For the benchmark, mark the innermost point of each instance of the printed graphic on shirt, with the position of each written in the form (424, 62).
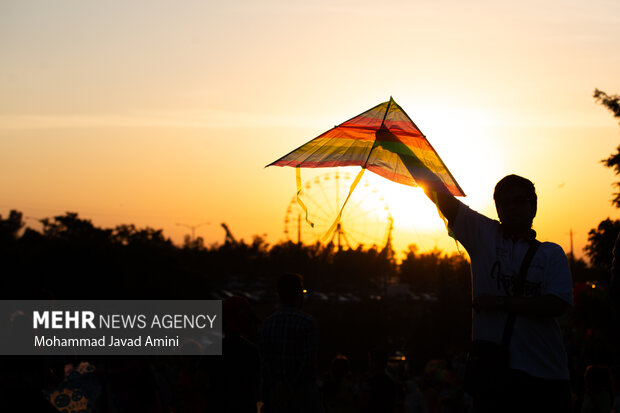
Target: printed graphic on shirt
(506, 283)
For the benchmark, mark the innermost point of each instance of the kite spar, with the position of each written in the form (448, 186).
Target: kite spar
(383, 140)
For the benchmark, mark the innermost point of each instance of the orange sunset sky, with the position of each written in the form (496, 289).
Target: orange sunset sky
(164, 112)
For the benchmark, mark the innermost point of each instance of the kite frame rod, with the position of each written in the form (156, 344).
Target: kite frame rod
(374, 143)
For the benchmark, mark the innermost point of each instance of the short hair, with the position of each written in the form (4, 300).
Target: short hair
(509, 182)
(340, 366)
(290, 286)
(236, 314)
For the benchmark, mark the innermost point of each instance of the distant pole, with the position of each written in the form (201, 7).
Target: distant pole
(193, 228)
(339, 232)
(572, 254)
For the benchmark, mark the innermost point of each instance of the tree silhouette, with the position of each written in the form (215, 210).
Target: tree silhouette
(9, 227)
(601, 239)
(612, 103)
(601, 243)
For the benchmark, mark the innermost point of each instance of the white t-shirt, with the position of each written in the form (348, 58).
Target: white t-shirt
(536, 346)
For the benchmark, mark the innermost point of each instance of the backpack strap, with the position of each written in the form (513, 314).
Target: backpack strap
(518, 292)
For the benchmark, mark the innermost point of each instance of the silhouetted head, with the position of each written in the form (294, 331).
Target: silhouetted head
(597, 378)
(191, 347)
(516, 203)
(340, 366)
(236, 315)
(291, 290)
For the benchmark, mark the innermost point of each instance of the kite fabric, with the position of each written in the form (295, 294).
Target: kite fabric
(383, 140)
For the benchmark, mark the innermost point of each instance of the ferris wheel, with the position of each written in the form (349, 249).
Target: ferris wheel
(365, 221)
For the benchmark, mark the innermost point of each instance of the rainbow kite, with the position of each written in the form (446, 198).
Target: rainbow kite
(383, 140)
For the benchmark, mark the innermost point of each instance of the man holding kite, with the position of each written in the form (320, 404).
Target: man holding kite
(520, 286)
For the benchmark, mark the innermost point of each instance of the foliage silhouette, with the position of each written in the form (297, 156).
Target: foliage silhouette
(601, 243)
(601, 239)
(612, 103)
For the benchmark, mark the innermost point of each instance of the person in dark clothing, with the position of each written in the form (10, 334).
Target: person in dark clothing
(338, 391)
(378, 390)
(288, 344)
(235, 377)
(599, 395)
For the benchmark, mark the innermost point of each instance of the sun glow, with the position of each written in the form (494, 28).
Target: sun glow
(410, 207)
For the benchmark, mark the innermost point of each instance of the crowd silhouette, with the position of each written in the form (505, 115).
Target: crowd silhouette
(377, 348)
